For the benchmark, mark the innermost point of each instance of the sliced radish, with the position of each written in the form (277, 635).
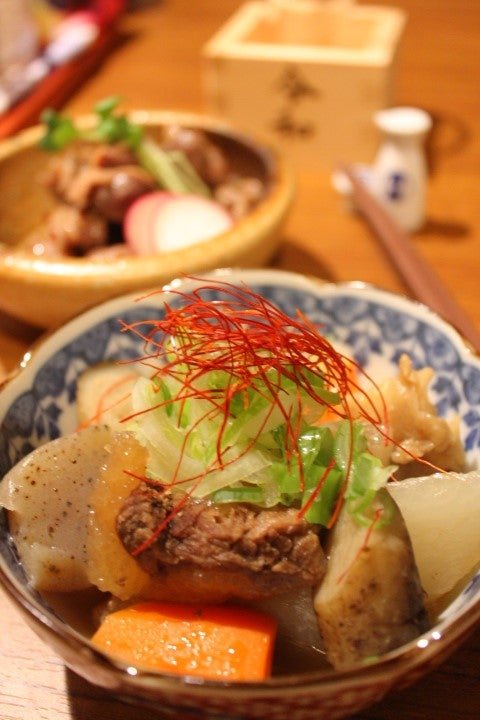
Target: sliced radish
(140, 219)
(188, 219)
(161, 222)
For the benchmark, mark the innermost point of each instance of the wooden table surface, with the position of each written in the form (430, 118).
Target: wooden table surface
(157, 64)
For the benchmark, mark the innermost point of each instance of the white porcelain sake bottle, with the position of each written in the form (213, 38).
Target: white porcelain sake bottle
(399, 171)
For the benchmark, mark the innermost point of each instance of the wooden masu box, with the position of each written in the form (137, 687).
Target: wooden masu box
(305, 75)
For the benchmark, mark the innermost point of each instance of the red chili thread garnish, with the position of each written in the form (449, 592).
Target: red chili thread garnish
(161, 527)
(257, 346)
(376, 519)
(317, 489)
(338, 505)
(140, 478)
(103, 406)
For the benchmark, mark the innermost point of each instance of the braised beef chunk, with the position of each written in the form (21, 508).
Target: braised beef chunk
(116, 188)
(274, 549)
(239, 195)
(68, 231)
(103, 179)
(207, 159)
(95, 185)
(115, 155)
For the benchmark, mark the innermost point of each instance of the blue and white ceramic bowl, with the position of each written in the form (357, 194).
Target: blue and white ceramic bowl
(37, 405)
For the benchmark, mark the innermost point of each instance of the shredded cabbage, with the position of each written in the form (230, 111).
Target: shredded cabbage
(262, 447)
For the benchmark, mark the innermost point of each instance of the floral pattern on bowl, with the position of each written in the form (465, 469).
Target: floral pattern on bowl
(377, 327)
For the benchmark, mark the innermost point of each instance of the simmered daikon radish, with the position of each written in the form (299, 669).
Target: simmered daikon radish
(104, 394)
(442, 514)
(370, 600)
(111, 568)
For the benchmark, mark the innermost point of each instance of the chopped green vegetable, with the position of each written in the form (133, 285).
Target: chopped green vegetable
(60, 131)
(113, 128)
(110, 128)
(244, 493)
(321, 509)
(171, 169)
(367, 477)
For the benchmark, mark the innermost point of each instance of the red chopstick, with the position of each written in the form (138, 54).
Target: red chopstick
(58, 86)
(423, 283)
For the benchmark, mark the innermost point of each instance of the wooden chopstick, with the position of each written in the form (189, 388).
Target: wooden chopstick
(421, 280)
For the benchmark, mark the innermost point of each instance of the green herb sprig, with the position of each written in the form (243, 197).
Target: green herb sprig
(171, 169)
(60, 130)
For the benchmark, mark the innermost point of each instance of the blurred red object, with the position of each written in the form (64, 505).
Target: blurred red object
(62, 80)
(106, 10)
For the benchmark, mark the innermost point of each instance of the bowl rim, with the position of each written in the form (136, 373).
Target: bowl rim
(439, 640)
(270, 210)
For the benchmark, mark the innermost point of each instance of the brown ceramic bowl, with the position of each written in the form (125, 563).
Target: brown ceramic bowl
(47, 292)
(37, 404)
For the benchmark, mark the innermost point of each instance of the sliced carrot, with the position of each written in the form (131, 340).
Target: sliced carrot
(215, 642)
